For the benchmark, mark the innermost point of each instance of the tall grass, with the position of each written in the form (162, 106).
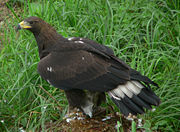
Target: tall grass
(145, 34)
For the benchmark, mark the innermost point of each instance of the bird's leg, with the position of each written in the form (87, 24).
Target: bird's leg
(87, 101)
(70, 109)
(93, 102)
(98, 100)
(75, 98)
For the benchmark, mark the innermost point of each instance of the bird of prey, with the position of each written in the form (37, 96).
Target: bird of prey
(86, 70)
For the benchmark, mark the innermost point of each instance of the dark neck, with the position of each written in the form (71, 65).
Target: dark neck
(45, 40)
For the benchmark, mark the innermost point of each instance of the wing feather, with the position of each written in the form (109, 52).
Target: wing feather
(81, 70)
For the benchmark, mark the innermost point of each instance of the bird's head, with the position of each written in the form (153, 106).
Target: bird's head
(34, 24)
(43, 32)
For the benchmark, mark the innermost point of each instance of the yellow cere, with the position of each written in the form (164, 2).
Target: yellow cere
(24, 24)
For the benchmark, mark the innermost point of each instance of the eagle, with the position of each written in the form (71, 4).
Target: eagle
(86, 70)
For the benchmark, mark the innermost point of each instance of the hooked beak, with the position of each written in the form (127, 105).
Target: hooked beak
(23, 25)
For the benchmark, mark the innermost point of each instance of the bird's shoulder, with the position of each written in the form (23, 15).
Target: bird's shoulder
(92, 43)
(69, 46)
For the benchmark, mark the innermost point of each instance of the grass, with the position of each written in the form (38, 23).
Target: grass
(145, 34)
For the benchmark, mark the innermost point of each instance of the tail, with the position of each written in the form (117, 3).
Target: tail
(134, 96)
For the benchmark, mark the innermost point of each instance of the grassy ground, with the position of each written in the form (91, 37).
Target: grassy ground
(143, 33)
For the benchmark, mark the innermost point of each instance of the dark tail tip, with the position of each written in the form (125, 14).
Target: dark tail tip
(137, 103)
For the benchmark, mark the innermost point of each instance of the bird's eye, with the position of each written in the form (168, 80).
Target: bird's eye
(31, 22)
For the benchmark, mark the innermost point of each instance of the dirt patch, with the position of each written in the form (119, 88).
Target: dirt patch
(77, 122)
(6, 16)
(4, 11)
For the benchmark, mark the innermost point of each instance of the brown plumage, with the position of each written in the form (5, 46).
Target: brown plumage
(86, 70)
